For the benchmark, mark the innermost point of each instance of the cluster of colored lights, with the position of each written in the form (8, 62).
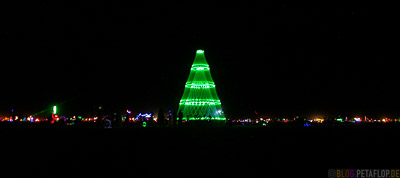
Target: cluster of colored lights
(143, 117)
(248, 120)
(148, 118)
(56, 119)
(90, 119)
(366, 119)
(71, 120)
(317, 120)
(147, 115)
(25, 119)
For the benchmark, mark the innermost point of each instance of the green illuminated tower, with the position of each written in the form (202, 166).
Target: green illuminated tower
(200, 100)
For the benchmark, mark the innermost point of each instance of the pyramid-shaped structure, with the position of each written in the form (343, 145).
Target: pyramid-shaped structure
(200, 100)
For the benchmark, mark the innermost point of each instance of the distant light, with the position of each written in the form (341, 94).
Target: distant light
(357, 119)
(99, 107)
(200, 51)
(54, 109)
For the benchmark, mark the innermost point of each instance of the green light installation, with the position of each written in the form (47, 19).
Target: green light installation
(54, 109)
(200, 100)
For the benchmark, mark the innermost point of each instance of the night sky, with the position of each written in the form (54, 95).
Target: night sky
(276, 58)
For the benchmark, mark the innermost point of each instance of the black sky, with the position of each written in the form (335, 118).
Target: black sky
(275, 58)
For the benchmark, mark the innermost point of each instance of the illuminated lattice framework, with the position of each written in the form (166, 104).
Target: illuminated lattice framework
(200, 100)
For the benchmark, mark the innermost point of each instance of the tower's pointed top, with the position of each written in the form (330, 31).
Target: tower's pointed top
(200, 58)
(200, 51)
